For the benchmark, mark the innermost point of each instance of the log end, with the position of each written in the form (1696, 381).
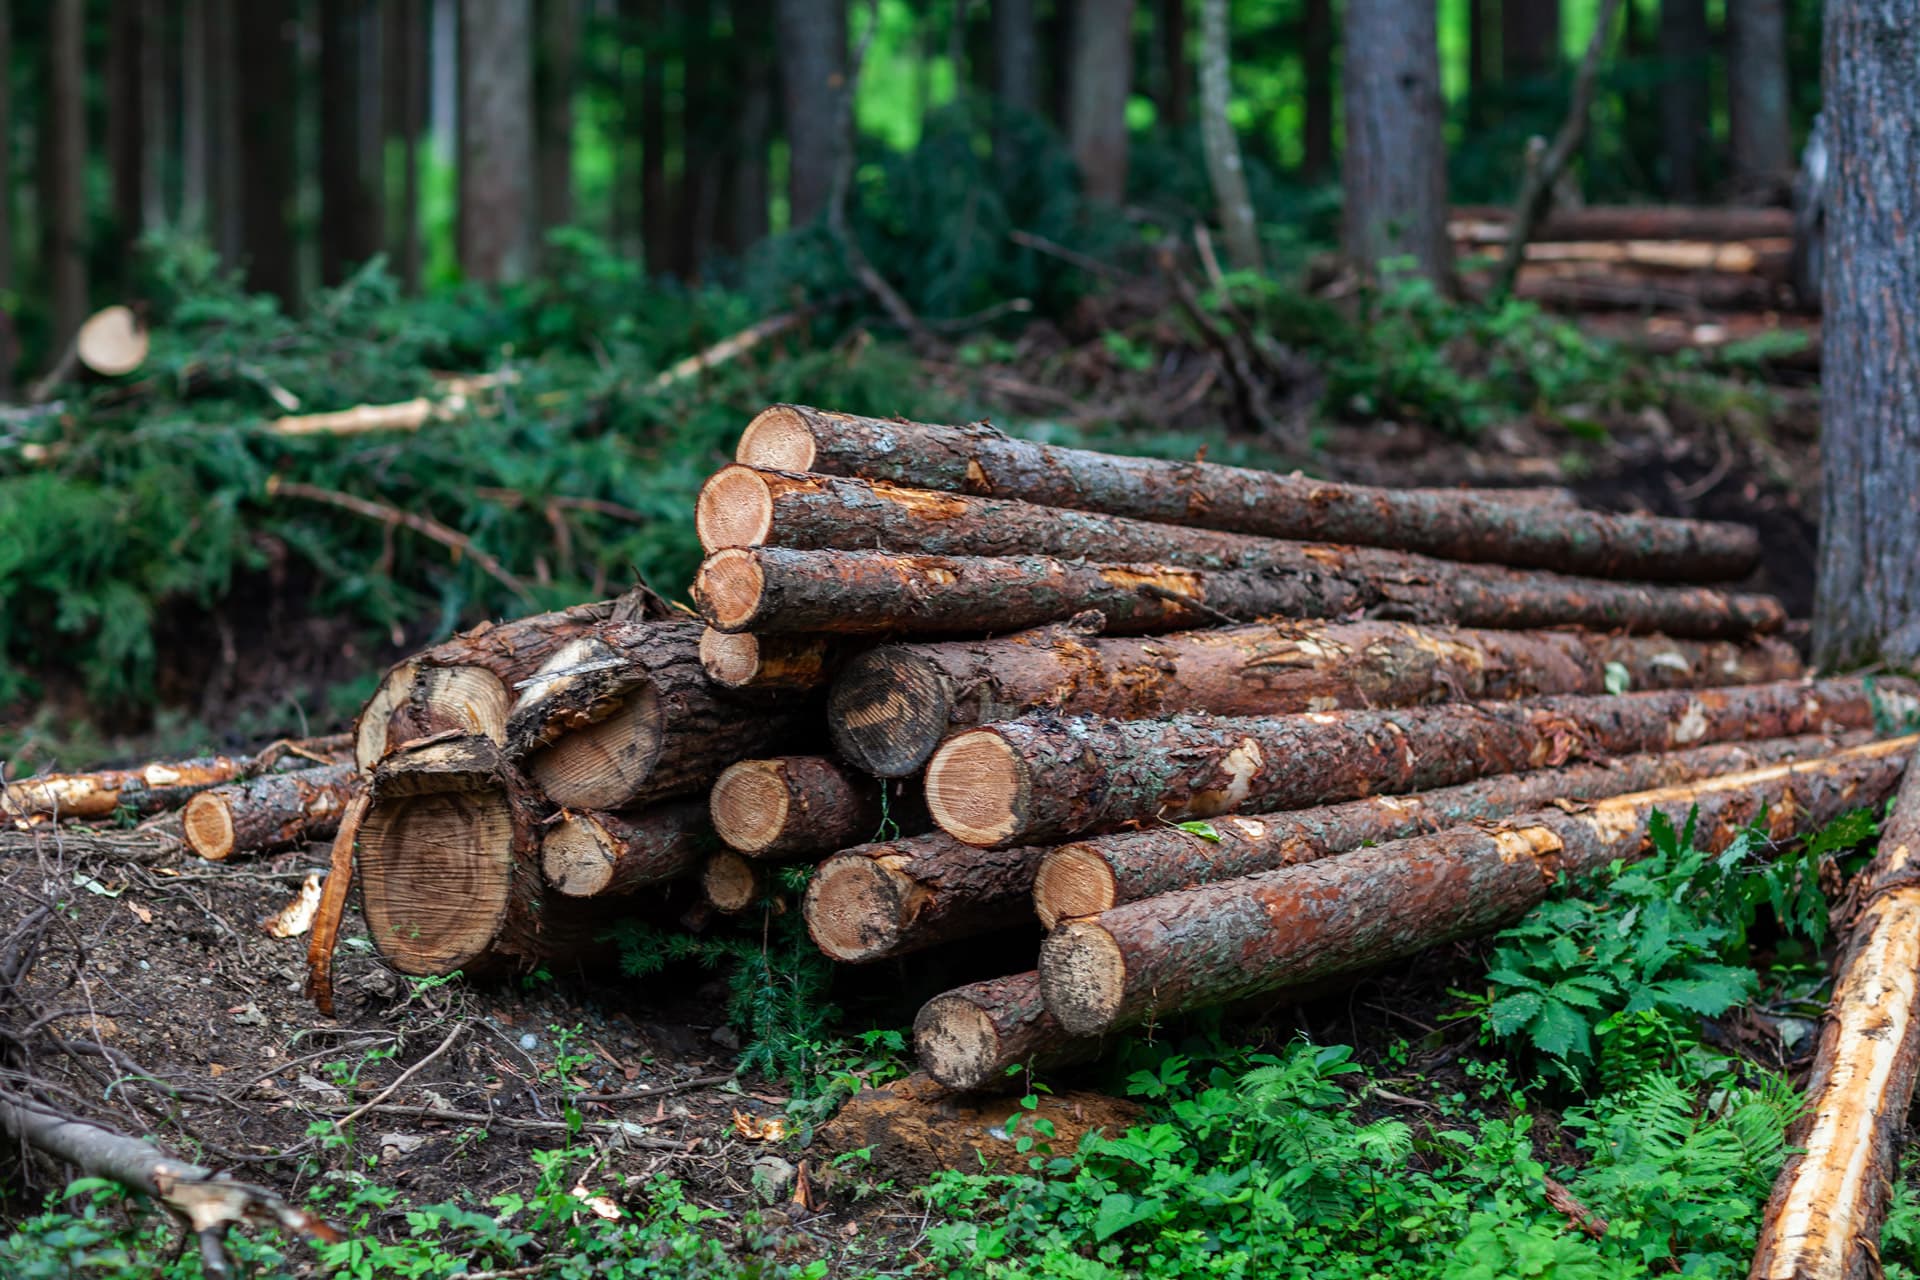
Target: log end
(1083, 977)
(750, 805)
(469, 698)
(743, 660)
(778, 438)
(577, 856)
(888, 711)
(112, 342)
(729, 588)
(1072, 881)
(603, 765)
(957, 1043)
(436, 870)
(734, 509)
(977, 788)
(207, 825)
(731, 883)
(370, 730)
(731, 660)
(856, 907)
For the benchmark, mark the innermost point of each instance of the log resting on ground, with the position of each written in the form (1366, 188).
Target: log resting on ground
(151, 788)
(972, 1035)
(1489, 224)
(747, 661)
(978, 459)
(791, 806)
(590, 854)
(268, 812)
(1044, 778)
(894, 897)
(1283, 929)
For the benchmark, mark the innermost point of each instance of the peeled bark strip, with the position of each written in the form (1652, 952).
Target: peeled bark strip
(1830, 1201)
(1045, 778)
(793, 805)
(1091, 876)
(1285, 928)
(587, 855)
(773, 589)
(890, 707)
(731, 882)
(150, 789)
(748, 661)
(333, 899)
(973, 1035)
(891, 898)
(978, 459)
(268, 812)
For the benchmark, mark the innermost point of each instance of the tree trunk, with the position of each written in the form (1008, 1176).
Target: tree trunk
(1044, 778)
(791, 806)
(496, 140)
(1224, 170)
(1100, 78)
(972, 1036)
(1218, 943)
(813, 74)
(1529, 39)
(1016, 71)
(747, 661)
(1457, 525)
(1395, 168)
(656, 205)
(127, 122)
(64, 166)
(1684, 112)
(226, 221)
(749, 193)
(889, 899)
(1090, 876)
(349, 211)
(196, 118)
(270, 812)
(892, 706)
(593, 854)
(150, 789)
(9, 199)
(1176, 76)
(1760, 130)
(1867, 604)
(412, 81)
(262, 172)
(554, 77)
(1317, 47)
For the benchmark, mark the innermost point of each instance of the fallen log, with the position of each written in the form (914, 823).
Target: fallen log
(1831, 1198)
(1090, 876)
(890, 898)
(1044, 778)
(1221, 942)
(975, 1035)
(732, 883)
(1453, 526)
(773, 589)
(747, 661)
(149, 789)
(269, 812)
(1685, 293)
(1490, 224)
(454, 397)
(791, 806)
(587, 855)
(890, 707)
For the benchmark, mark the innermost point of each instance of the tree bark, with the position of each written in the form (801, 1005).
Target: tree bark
(269, 812)
(1395, 168)
(592, 674)
(1044, 778)
(127, 41)
(1529, 39)
(891, 707)
(496, 140)
(747, 661)
(1222, 147)
(892, 898)
(349, 207)
(64, 166)
(1317, 48)
(749, 194)
(260, 173)
(972, 1036)
(792, 806)
(1099, 80)
(1452, 525)
(9, 198)
(1218, 943)
(813, 75)
(554, 76)
(597, 854)
(1176, 76)
(1091, 876)
(1684, 112)
(656, 203)
(1016, 56)
(1759, 127)
(412, 80)
(1867, 601)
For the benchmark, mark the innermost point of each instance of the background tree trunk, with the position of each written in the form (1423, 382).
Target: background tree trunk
(127, 40)
(1224, 169)
(223, 149)
(745, 208)
(403, 102)
(1684, 118)
(1867, 603)
(1100, 76)
(261, 165)
(1395, 172)
(1016, 53)
(1529, 39)
(553, 90)
(1317, 48)
(64, 169)
(1176, 76)
(9, 351)
(496, 139)
(813, 75)
(1759, 129)
(196, 118)
(349, 211)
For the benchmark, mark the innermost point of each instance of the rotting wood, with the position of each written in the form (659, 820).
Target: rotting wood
(268, 812)
(791, 806)
(974, 1035)
(591, 854)
(747, 661)
(894, 897)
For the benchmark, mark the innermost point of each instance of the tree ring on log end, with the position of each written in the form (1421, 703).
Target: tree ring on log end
(1083, 976)
(957, 1042)
(854, 906)
(731, 659)
(436, 872)
(370, 731)
(207, 825)
(729, 588)
(778, 438)
(888, 711)
(577, 856)
(749, 804)
(603, 765)
(734, 509)
(977, 788)
(1072, 881)
(731, 882)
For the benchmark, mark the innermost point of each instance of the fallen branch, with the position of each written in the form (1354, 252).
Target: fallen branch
(456, 398)
(150, 788)
(729, 348)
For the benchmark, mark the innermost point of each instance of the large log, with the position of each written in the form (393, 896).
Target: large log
(773, 589)
(890, 707)
(973, 1035)
(1044, 778)
(1830, 1200)
(894, 897)
(1287, 928)
(590, 854)
(268, 812)
(747, 661)
(1453, 526)
(149, 789)
(1090, 876)
(792, 806)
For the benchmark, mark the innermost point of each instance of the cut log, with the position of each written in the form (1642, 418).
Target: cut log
(150, 789)
(1676, 293)
(1221, 942)
(1044, 778)
(1091, 876)
(586, 855)
(732, 883)
(747, 661)
(270, 812)
(1831, 1198)
(891, 898)
(792, 806)
(112, 342)
(773, 589)
(1488, 224)
(974, 1035)
(890, 707)
(979, 459)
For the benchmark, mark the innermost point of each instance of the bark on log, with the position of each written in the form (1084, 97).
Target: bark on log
(150, 789)
(1830, 1200)
(891, 898)
(1091, 876)
(327, 919)
(268, 812)
(1489, 224)
(1044, 778)
(773, 589)
(1220, 942)
(979, 459)
(748, 661)
(595, 674)
(791, 806)
(731, 882)
(973, 1035)
(588, 855)
(890, 707)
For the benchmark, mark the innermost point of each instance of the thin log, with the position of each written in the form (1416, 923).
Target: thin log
(270, 812)
(792, 806)
(976, 1035)
(454, 397)
(773, 589)
(894, 897)
(1587, 293)
(1220, 942)
(1090, 876)
(747, 661)
(978, 459)
(1045, 778)
(1489, 224)
(586, 855)
(732, 883)
(890, 707)
(149, 789)
(729, 348)
(1740, 257)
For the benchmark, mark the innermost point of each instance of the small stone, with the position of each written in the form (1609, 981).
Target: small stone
(726, 1038)
(529, 1042)
(773, 1178)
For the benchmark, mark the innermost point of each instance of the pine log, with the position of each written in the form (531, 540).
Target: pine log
(1489, 224)
(1286, 928)
(773, 589)
(890, 707)
(791, 806)
(978, 459)
(747, 661)
(149, 789)
(894, 897)
(1090, 876)
(268, 812)
(974, 1035)
(594, 675)
(1044, 778)
(731, 882)
(590, 854)
(1830, 1200)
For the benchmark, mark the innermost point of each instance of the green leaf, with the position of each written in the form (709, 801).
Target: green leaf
(1560, 1032)
(1204, 830)
(1507, 1015)
(1617, 678)
(1118, 1212)
(1712, 990)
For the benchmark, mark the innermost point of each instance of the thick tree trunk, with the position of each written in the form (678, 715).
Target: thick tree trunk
(554, 76)
(1867, 603)
(888, 899)
(656, 200)
(270, 812)
(1099, 79)
(1529, 39)
(1045, 778)
(1458, 525)
(596, 854)
(496, 140)
(1684, 116)
(1395, 168)
(1224, 170)
(260, 170)
(196, 118)
(813, 74)
(1218, 943)
(1090, 876)
(64, 170)
(1317, 46)
(349, 207)
(892, 706)
(792, 806)
(972, 1036)
(1759, 128)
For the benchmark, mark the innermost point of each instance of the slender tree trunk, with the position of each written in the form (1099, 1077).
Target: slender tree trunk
(415, 124)
(196, 117)
(1395, 172)
(704, 137)
(553, 87)
(9, 352)
(1868, 599)
(496, 139)
(1016, 54)
(127, 120)
(402, 100)
(1529, 39)
(813, 75)
(349, 216)
(223, 133)
(1100, 77)
(1176, 74)
(1684, 116)
(262, 165)
(64, 159)
(656, 222)
(745, 209)
(1760, 130)
(1317, 49)
(1224, 168)
(1477, 55)
(159, 72)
